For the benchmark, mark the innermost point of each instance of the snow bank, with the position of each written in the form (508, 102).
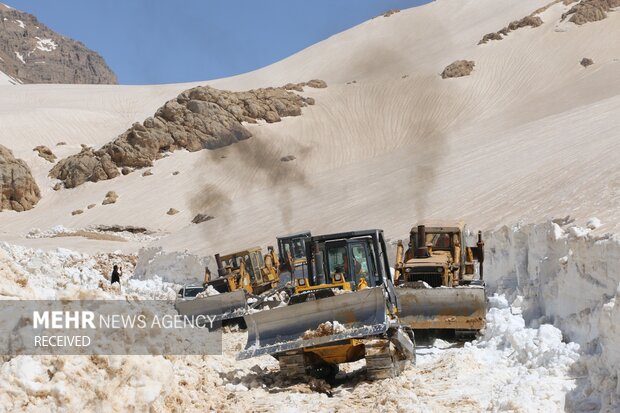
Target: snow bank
(28, 273)
(175, 267)
(568, 276)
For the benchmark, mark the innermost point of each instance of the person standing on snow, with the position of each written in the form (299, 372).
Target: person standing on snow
(116, 275)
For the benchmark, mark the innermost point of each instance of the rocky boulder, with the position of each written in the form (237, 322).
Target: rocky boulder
(459, 68)
(45, 153)
(85, 166)
(199, 118)
(585, 62)
(590, 11)
(18, 189)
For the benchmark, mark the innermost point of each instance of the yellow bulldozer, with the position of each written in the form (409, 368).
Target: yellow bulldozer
(292, 250)
(241, 275)
(347, 311)
(248, 270)
(439, 280)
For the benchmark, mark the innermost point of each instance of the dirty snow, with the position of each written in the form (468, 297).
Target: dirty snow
(61, 230)
(522, 362)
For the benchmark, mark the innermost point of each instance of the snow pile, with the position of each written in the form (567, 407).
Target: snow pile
(80, 383)
(35, 233)
(327, 328)
(28, 273)
(533, 348)
(208, 292)
(568, 276)
(175, 267)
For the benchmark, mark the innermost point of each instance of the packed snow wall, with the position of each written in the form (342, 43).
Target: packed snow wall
(568, 276)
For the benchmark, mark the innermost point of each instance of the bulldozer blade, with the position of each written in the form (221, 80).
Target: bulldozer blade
(459, 308)
(363, 313)
(221, 306)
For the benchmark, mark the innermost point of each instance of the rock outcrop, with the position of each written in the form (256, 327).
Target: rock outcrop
(391, 12)
(527, 21)
(87, 165)
(590, 11)
(299, 87)
(459, 68)
(201, 218)
(18, 189)
(30, 52)
(45, 153)
(199, 118)
(110, 198)
(585, 62)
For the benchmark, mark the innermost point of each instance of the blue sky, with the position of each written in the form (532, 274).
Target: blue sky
(152, 41)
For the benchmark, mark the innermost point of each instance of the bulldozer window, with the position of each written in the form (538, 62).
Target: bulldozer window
(337, 261)
(360, 260)
(299, 249)
(439, 241)
(257, 260)
(296, 248)
(231, 262)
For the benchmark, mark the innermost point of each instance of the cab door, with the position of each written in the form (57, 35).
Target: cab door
(361, 264)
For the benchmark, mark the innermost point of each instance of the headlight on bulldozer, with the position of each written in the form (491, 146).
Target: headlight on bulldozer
(440, 270)
(338, 277)
(301, 281)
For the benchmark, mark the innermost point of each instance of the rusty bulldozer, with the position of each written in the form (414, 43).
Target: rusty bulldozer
(439, 280)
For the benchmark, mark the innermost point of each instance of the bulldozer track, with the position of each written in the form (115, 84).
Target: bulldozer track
(381, 360)
(292, 364)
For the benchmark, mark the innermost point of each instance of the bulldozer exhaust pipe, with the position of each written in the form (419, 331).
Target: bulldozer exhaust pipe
(421, 250)
(221, 271)
(319, 269)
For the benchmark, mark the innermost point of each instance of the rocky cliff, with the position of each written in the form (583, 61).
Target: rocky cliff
(30, 52)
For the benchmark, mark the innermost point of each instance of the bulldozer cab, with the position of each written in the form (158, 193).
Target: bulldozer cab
(350, 257)
(439, 238)
(292, 252)
(293, 245)
(250, 260)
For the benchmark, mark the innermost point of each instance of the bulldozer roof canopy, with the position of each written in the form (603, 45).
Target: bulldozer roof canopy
(295, 235)
(242, 252)
(439, 226)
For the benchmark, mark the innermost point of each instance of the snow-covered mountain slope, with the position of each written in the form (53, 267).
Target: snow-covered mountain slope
(530, 134)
